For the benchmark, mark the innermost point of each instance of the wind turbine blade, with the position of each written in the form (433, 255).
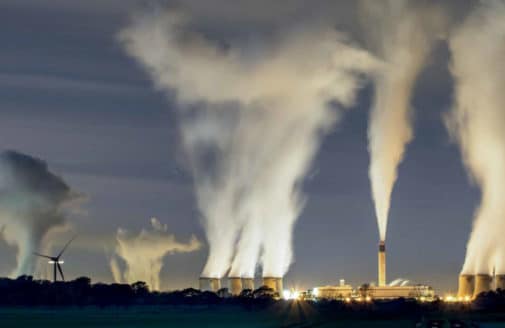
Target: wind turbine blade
(61, 271)
(64, 248)
(41, 255)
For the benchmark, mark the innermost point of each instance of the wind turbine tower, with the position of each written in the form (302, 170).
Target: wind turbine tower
(56, 261)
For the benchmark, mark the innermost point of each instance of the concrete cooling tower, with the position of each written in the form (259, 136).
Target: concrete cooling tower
(248, 283)
(465, 285)
(235, 285)
(210, 284)
(273, 283)
(482, 284)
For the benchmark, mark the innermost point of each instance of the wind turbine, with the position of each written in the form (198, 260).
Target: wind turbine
(55, 261)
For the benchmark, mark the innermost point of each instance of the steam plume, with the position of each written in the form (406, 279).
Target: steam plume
(33, 202)
(251, 122)
(143, 253)
(403, 35)
(477, 121)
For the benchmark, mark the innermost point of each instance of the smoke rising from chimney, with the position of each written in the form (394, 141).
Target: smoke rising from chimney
(250, 125)
(33, 202)
(477, 122)
(402, 34)
(143, 253)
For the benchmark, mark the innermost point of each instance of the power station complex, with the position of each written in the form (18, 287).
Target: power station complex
(472, 285)
(342, 291)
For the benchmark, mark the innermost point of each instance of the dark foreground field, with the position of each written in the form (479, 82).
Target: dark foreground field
(290, 315)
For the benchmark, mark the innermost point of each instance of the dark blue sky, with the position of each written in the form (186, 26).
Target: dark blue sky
(71, 96)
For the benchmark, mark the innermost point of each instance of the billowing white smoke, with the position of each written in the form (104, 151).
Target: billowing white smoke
(143, 253)
(33, 202)
(252, 116)
(477, 121)
(403, 35)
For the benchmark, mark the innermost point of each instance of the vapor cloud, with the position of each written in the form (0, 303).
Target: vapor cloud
(143, 253)
(33, 202)
(253, 111)
(477, 121)
(402, 34)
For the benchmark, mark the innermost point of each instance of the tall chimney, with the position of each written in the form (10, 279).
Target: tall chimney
(382, 263)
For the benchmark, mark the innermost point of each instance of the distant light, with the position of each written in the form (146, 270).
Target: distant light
(315, 292)
(467, 298)
(290, 294)
(347, 299)
(368, 298)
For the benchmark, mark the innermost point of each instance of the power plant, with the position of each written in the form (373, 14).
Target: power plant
(470, 286)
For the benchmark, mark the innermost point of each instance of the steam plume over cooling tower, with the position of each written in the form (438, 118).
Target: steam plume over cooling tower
(477, 121)
(402, 34)
(33, 202)
(251, 122)
(143, 253)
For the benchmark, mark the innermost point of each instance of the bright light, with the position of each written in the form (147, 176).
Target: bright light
(450, 299)
(467, 298)
(347, 299)
(368, 299)
(290, 294)
(315, 292)
(423, 299)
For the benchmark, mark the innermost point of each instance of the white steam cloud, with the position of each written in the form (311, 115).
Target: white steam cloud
(403, 35)
(143, 253)
(33, 202)
(252, 115)
(477, 121)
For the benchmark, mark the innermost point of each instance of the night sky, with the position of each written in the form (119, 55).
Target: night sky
(70, 95)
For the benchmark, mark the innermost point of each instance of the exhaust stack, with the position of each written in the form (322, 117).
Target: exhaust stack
(235, 285)
(382, 263)
(482, 284)
(466, 285)
(248, 283)
(210, 284)
(273, 283)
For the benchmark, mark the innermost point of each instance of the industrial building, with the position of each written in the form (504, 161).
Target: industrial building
(470, 286)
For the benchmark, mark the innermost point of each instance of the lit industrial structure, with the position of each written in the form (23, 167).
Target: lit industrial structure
(235, 285)
(210, 284)
(274, 283)
(465, 286)
(382, 263)
(248, 283)
(341, 291)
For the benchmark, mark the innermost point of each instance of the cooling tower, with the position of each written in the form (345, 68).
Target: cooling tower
(465, 285)
(235, 285)
(482, 284)
(248, 283)
(274, 283)
(382, 264)
(500, 281)
(210, 284)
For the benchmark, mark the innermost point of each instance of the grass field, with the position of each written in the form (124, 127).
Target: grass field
(187, 317)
